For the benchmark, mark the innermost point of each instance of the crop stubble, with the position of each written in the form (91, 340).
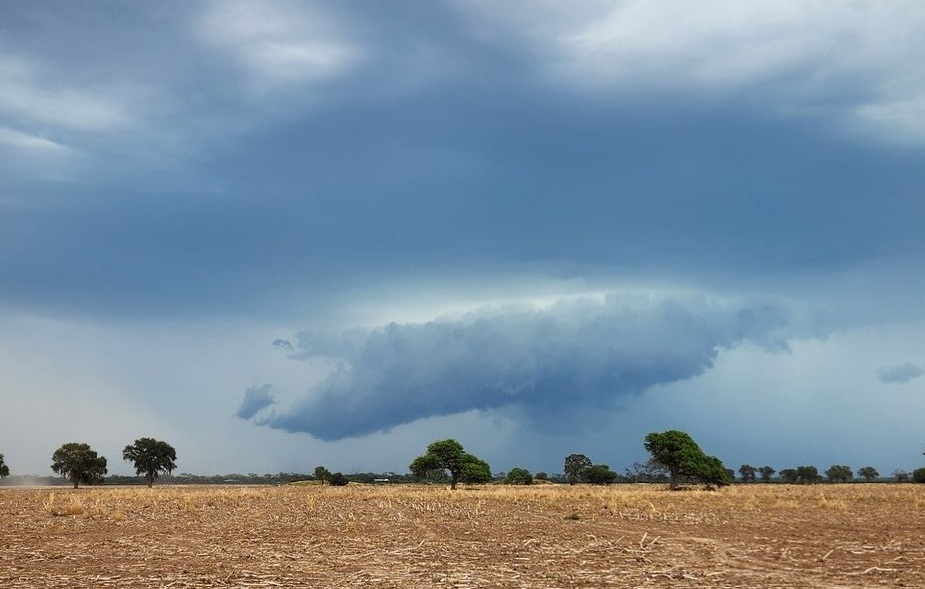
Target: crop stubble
(415, 536)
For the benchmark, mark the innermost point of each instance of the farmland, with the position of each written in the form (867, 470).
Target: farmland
(856, 535)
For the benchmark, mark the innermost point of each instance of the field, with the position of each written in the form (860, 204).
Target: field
(408, 536)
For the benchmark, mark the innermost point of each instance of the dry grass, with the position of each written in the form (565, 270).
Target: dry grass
(493, 536)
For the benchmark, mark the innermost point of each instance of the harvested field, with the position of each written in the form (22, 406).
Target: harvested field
(409, 536)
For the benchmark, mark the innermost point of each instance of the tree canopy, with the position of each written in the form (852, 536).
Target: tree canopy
(151, 457)
(868, 473)
(449, 456)
(4, 469)
(599, 474)
(575, 465)
(519, 476)
(79, 463)
(839, 473)
(683, 458)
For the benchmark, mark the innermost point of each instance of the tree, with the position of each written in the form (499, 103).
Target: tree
(647, 472)
(839, 473)
(4, 469)
(322, 474)
(808, 475)
(151, 457)
(748, 473)
(900, 476)
(541, 476)
(338, 479)
(575, 465)
(789, 475)
(448, 455)
(519, 476)
(868, 473)
(79, 463)
(683, 458)
(918, 475)
(766, 472)
(599, 474)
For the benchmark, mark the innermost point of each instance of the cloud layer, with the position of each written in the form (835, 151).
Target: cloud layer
(900, 373)
(551, 362)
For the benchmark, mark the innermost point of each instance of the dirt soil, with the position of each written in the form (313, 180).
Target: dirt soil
(409, 536)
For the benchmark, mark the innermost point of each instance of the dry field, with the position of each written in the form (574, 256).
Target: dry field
(407, 536)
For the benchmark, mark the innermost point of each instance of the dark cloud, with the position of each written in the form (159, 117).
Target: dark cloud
(552, 362)
(255, 400)
(282, 344)
(900, 373)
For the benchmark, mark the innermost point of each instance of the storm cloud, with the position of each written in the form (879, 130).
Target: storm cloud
(255, 400)
(900, 373)
(550, 362)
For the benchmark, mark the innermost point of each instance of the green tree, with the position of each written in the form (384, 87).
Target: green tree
(541, 476)
(449, 456)
(766, 472)
(338, 479)
(4, 469)
(683, 458)
(789, 475)
(519, 476)
(151, 457)
(808, 475)
(900, 476)
(599, 474)
(839, 473)
(868, 473)
(747, 471)
(575, 465)
(918, 475)
(79, 463)
(322, 474)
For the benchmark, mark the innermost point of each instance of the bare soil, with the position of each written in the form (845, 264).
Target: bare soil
(409, 536)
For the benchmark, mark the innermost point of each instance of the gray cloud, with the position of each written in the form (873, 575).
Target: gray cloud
(899, 373)
(551, 363)
(255, 400)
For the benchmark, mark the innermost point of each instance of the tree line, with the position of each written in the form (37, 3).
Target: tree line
(675, 459)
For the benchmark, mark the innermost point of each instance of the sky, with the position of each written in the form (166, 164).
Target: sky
(286, 234)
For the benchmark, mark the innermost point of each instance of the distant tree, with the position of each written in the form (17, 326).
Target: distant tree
(868, 473)
(599, 474)
(541, 476)
(151, 458)
(4, 469)
(338, 480)
(839, 473)
(448, 455)
(683, 458)
(808, 475)
(748, 473)
(575, 465)
(519, 476)
(322, 474)
(789, 475)
(79, 463)
(766, 473)
(918, 475)
(900, 476)
(647, 472)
